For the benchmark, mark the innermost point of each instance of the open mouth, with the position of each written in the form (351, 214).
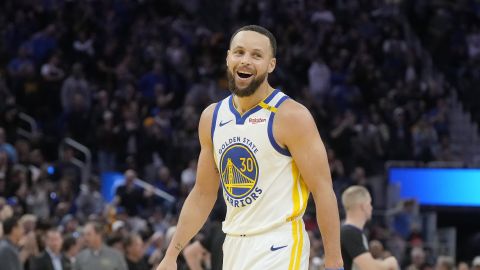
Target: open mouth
(244, 75)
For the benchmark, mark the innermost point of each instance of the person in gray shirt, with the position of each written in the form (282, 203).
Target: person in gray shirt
(9, 256)
(97, 255)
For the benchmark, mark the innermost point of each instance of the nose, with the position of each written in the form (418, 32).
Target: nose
(246, 59)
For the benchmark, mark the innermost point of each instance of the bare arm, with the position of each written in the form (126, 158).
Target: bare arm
(365, 261)
(308, 152)
(201, 199)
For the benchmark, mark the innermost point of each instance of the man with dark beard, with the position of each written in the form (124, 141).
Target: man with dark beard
(266, 150)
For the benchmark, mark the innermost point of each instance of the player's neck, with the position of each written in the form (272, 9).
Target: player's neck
(243, 104)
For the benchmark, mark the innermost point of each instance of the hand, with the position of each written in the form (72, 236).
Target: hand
(167, 264)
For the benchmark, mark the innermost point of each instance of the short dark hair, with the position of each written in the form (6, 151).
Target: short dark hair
(9, 224)
(68, 243)
(261, 30)
(128, 240)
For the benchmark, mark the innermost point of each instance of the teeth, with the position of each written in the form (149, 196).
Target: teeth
(245, 72)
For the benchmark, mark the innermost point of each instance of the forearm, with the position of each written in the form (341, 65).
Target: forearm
(195, 211)
(329, 225)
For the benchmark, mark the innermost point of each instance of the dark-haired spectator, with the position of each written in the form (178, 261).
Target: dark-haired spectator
(134, 253)
(52, 258)
(71, 248)
(9, 255)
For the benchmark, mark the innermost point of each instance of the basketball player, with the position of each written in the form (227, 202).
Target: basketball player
(358, 204)
(266, 150)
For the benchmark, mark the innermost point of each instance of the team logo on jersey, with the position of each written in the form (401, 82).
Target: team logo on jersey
(239, 171)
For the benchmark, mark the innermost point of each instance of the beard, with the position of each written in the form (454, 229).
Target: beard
(249, 89)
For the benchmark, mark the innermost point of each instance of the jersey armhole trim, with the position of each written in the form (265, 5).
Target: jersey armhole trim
(273, 142)
(214, 119)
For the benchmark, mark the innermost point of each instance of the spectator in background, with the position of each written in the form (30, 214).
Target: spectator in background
(445, 263)
(417, 257)
(9, 255)
(5, 94)
(66, 168)
(106, 139)
(148, 81)
(134, 253)
(319, 80)
(129, 196)
(5, 168)
(90, 200)
(355, 251)
(44, 42)
(75, 84)
(52, 258)
(207, 250)
(97, 255)
(7, 147)
(425, 139)
(476, 263)
(20, 68)
(463, 266)
(52, 75)
(188, 175)
(70, 248)
(378, 251)
(406, 218)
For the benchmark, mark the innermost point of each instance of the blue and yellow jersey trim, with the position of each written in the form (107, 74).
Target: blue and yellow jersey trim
(274, 143)
(300, 198)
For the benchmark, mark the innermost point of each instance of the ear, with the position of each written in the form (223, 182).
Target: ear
(272, 64)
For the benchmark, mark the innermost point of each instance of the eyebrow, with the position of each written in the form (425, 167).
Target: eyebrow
(243, 48)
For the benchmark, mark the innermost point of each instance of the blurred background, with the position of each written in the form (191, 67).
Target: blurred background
(100, 102)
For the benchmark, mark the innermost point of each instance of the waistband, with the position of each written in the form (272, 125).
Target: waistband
(285, 225)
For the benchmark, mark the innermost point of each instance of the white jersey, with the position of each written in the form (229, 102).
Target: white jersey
(261, 184)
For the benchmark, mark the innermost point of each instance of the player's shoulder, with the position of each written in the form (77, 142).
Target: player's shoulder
(292, 111)
(207, 114)
(209, 110)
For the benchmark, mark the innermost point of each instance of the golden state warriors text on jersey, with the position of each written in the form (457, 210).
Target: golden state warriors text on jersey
(260, 182)
(239, 171)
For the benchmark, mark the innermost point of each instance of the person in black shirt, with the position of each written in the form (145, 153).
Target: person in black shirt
(130, 196)
(211, 243)
(134, 253)
(356, 256)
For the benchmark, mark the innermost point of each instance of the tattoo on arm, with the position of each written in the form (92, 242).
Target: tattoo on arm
(178, 247)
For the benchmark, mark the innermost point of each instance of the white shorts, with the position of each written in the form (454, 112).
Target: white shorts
(284, 248)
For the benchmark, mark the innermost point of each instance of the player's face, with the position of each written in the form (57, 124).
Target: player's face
(249, 60)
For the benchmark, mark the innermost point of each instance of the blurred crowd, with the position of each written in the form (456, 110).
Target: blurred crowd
(451, 32)
(128, 79)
